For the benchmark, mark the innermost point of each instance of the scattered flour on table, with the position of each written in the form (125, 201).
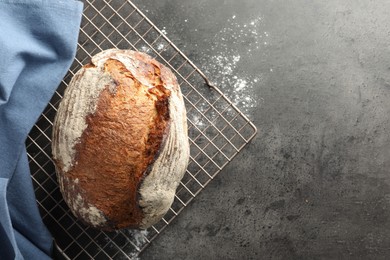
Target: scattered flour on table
(136, 238)
(234, 44)
(222, 61)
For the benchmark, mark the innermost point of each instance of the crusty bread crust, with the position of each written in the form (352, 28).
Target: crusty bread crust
(107, 140)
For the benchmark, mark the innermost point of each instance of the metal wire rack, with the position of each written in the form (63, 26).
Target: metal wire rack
(217, 132)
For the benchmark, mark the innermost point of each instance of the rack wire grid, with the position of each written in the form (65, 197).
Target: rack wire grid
(217, 132)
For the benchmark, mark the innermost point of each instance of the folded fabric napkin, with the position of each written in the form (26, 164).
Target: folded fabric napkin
(38, 41)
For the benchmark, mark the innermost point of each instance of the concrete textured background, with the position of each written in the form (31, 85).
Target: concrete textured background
(314, 183)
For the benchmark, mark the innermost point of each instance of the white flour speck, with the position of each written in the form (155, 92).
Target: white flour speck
(240, 84)
(145, 49)
(160, 46)
(236, 58)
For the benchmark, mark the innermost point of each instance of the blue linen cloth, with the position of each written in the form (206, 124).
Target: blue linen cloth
(38, 40)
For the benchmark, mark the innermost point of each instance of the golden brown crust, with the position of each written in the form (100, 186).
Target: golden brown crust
(122, 138)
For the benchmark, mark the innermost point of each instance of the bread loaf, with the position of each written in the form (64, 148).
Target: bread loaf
(120, 142)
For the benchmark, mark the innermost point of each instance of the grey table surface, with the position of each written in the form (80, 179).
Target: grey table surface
(314, 77)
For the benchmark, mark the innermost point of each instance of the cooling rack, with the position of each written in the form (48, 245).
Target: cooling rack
(218, 131)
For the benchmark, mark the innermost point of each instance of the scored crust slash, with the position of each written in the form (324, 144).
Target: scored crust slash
(120, 141)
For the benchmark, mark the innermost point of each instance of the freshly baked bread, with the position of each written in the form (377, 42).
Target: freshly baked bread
(120, 142)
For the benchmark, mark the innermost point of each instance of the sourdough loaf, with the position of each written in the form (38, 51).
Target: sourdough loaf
(120, 142)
